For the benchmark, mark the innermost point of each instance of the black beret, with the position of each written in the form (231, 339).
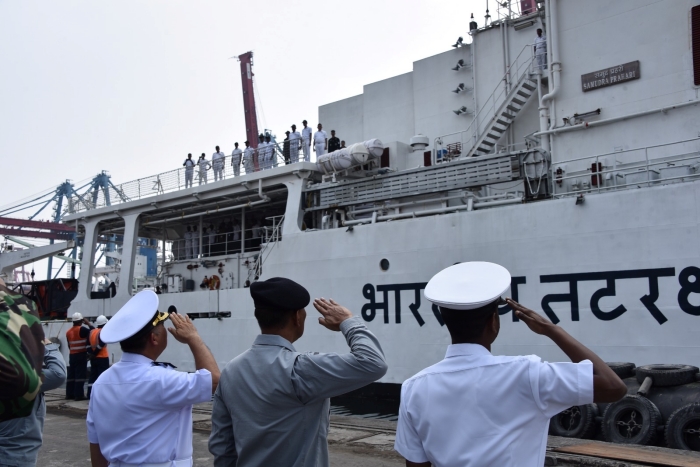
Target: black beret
(279, 293)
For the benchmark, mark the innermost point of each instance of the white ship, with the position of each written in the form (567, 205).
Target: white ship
(579, 175)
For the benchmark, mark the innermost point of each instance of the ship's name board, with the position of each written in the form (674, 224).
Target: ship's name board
(610, 76)
(687, 289)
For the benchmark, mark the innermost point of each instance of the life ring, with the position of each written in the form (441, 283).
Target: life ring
(214, 282)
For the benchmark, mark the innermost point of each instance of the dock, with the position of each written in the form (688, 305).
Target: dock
(355, 440)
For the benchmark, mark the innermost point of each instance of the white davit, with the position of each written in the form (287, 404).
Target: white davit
(354, 155)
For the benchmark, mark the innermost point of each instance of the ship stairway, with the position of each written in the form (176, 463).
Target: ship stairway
(504, 115)
(495, 114)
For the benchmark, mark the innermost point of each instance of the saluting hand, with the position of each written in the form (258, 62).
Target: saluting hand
(184, 330)
(536, 322)
(333, 313)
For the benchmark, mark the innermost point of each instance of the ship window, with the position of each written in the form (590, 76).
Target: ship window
(695, 38)
(384, 264)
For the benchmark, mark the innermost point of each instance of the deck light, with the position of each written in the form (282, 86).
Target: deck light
(459, 66)
(458, 43)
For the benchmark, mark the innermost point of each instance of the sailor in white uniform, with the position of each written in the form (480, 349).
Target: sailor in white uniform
(249, 158)
(294, 143)
(306, 141)
(474, 408)
(218, 159)
(320, 141)
(204, 165)
(188, 243)
(140, 411)
(236, 160)
(195, 242)
(269, 153)
(189, 170)
(541, 50)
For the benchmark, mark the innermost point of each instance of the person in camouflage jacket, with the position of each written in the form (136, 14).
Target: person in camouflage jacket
(21, 354)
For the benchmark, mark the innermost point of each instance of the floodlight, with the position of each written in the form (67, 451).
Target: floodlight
(458, 43)
(459, 89)
(460, 65)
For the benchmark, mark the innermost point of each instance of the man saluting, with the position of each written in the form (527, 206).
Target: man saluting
(272, 406)
(140, 411)
(474, 408)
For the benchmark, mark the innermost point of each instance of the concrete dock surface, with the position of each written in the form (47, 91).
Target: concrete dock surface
(353, 441)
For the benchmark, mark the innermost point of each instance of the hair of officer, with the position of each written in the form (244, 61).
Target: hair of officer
(272, 319)
(137, 342)
(467, 326)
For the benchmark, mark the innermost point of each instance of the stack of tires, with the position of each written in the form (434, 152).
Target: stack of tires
(662, 404)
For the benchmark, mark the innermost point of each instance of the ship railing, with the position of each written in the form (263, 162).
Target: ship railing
(227, 243)
(647, 166)
(174, 180)
(458, 144)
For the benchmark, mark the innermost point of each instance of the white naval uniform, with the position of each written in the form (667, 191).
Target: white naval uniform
(212, 239)
(189, 171)
(141, 413)
(195, 243)
(320, 138)
(236, 161)
(188, 244)
(248, 162)
(204, 165)
(294, 140)
(541, 51)
(476, 409)
(306, 140)
(270, 155)
(218, 159)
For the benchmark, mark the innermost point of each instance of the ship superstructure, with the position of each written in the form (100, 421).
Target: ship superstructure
(579, 176)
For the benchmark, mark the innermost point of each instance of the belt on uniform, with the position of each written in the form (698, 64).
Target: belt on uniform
(176, 463)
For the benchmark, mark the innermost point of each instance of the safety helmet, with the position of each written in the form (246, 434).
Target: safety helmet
(101, 320)
(77, 317)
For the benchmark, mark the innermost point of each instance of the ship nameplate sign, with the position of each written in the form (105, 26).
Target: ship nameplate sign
(610, 76)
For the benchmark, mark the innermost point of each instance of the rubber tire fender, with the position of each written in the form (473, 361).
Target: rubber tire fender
(622, 369)
(621, 423)
(679, 423)
(585, 415)
(667, 375)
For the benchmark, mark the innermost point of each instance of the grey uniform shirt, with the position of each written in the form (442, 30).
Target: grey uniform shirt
(272, 403)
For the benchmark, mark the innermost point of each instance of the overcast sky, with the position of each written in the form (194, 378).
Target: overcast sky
(132, 86)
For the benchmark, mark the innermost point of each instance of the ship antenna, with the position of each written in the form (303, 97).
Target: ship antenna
(487, 18)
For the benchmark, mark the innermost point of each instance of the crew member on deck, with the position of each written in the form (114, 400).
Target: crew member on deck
(474, 408)
(99, 355)
(204, 165)
(320, 141)
(271, 407)
(541, 50)
(236, 160)
(306, 140)
(140, 411)
(285, 148)
(270, 155)
(218, 159)
(77, 338)
(333, 143)
(294, 142)
(189, 170)
(195, 242)
(188, 243)
(248, 159)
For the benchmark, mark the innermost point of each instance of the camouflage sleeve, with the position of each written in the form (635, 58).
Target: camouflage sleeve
(21, 354)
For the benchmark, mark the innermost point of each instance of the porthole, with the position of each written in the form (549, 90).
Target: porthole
(384, 264)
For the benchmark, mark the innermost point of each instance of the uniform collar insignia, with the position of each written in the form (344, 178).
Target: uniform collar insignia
(163, 364)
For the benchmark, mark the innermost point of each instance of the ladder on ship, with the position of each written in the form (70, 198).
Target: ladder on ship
(506, 113)
(496, 114)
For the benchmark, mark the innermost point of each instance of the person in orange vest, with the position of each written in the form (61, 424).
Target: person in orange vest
(77, 338)
(99, 357)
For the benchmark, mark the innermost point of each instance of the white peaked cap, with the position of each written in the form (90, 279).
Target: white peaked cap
(130, 318)
(467, 286)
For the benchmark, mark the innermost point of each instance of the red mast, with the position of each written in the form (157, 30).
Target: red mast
(251, 118)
